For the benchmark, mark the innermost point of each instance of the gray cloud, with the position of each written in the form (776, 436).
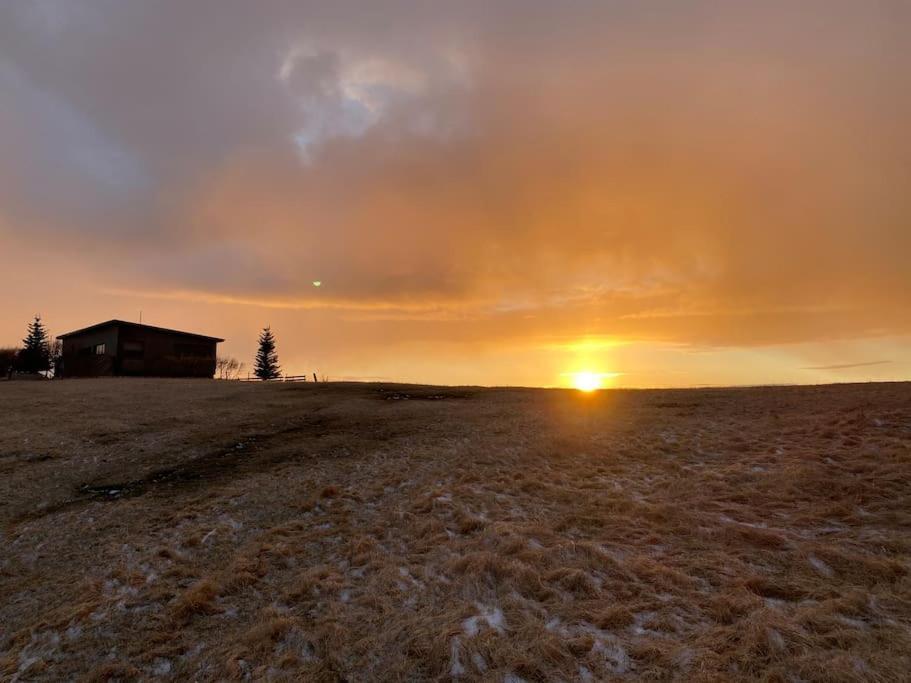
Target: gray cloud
(701, 172)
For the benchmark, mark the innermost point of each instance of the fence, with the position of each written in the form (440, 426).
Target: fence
(286, 378)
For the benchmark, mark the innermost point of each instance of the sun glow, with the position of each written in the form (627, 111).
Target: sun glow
(588, 381)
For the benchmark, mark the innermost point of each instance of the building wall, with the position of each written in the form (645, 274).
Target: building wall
(138, 352)
(80, 358)
(148, 352)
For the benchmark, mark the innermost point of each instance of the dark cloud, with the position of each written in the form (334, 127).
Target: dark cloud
(846, 366)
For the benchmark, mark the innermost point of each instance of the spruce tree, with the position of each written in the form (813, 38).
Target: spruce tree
(266, 365)
(35, 355)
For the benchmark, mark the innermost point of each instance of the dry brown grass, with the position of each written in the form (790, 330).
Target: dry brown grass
(192, 530)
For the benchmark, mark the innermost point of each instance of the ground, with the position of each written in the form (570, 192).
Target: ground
(203, 530)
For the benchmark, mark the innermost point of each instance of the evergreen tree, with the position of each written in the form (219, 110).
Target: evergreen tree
(35, 355)
(266, 365)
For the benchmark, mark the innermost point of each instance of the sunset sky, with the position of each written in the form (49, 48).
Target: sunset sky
(661, 193)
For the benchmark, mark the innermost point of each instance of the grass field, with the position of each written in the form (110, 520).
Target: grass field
(201, 530)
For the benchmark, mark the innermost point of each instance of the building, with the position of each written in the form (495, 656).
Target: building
(118, 348)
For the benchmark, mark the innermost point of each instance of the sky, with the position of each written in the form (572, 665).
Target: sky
(656, 192)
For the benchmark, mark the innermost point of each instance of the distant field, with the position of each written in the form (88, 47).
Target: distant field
(210, 530)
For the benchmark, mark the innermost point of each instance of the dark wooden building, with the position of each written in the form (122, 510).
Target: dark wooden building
(118, 348)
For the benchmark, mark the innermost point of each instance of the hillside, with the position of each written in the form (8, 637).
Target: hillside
(189, 529)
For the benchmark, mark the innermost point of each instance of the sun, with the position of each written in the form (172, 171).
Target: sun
(587, 381)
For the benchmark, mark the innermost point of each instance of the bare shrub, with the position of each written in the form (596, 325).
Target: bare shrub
(228, 368)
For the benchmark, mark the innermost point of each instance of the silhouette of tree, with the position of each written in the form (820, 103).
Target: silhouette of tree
(266, 364)
(35, 355)
(7, 361)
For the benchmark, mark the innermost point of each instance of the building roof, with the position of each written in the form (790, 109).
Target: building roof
(124, 323)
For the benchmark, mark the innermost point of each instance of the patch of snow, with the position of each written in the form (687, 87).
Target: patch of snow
(684, 658)
(615, 657)
(552, 624)
(616, 554)
(479, 662)
(161, 667)
(853, 623)
(755, 525)
(199, 647)
(512, 678)
(233, 523)
(860, 666)
(41, 646)
(585, 675)
(638, 620)
(776, 640)
(24, 666)
(821, 566)
(455, 663)
(280, 608)
(493, 617)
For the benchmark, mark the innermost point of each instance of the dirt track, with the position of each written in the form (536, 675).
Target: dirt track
(203, 530)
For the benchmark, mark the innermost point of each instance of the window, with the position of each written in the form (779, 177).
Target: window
(99, 349)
